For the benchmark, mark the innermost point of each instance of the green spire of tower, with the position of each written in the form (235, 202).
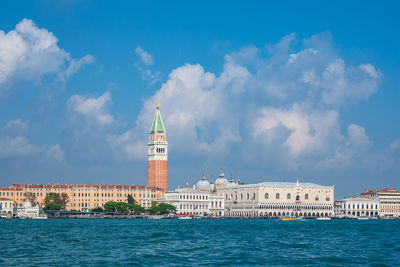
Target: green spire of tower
(158, 125)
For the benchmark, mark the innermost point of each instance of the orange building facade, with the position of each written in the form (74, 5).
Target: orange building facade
(158, 153)
(82, 197)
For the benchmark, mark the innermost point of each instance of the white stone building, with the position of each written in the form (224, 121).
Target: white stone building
(278, 199)
(389, 201)
(358, 207)
(6, 207)
(199, 200)
(268, 199)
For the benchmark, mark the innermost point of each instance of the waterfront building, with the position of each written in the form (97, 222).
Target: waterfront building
(267, 199)
(82, 197)
(278, 199)
(274, 199)
(389, 201)
(158, 153)
(6, 207)
(199, 200)
(358, 207)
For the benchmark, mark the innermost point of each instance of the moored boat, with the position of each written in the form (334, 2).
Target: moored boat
(287, 219)
(324, 219)
(185, 218)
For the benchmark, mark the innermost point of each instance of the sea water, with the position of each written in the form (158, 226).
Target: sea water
(121, 242)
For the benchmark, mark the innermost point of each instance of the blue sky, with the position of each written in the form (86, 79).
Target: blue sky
(270, 91)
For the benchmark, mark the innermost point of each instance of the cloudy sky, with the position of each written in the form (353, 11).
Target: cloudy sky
(268, 92)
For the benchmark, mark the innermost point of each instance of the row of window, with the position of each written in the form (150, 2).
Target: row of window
(87, 189)
(362, 206)
(87, 205)
(290, 207)
(193, 197)
(277, 196)
(11, 193)
(241, 196)
(190, 206)
(160, 150)
(289, 196)
(217, 203)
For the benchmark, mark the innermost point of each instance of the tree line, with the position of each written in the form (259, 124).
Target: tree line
(55, 201)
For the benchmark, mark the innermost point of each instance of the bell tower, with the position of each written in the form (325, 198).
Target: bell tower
(158, 153)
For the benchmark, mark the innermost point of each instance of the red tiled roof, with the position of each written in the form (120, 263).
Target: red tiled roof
(99, 186)
(10, 189)
(376, 191)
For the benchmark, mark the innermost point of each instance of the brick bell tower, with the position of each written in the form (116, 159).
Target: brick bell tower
(158, 153)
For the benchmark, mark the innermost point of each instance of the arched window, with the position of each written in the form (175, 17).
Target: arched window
(248, 196)
(317, 198)
(328, 198)
(288, 196)
(241, 196)
(297, 198)
(254, 196)
(306, 196)
(277, 196)
(266, 196)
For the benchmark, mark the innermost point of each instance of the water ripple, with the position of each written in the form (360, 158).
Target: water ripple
(199, 242)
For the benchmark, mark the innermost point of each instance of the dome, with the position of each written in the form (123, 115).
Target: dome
(221, 179)
(203, 184)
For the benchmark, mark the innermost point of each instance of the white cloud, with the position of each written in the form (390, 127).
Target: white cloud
(28, 53)
(310, 131)
(357, 137)
(145, 57)
(127, 147)
(16, 126)
(284, 107)
(13, 140)
(341, 83)
(395, 145)
(94, 110)
(76, 65)
(192, 111)
(143, 66)
(16, 146)
(56, 153)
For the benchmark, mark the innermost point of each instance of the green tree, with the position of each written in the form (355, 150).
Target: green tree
(153, 210)
(131, 200)
(52, 198)
(165, 208)
(52, 206)
(57, 199)
(137, 209)
(98, 209)
(112, 206)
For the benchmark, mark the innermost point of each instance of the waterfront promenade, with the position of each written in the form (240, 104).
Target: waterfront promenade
(199, 242)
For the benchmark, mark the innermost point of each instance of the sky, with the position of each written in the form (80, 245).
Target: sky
(267, 91)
